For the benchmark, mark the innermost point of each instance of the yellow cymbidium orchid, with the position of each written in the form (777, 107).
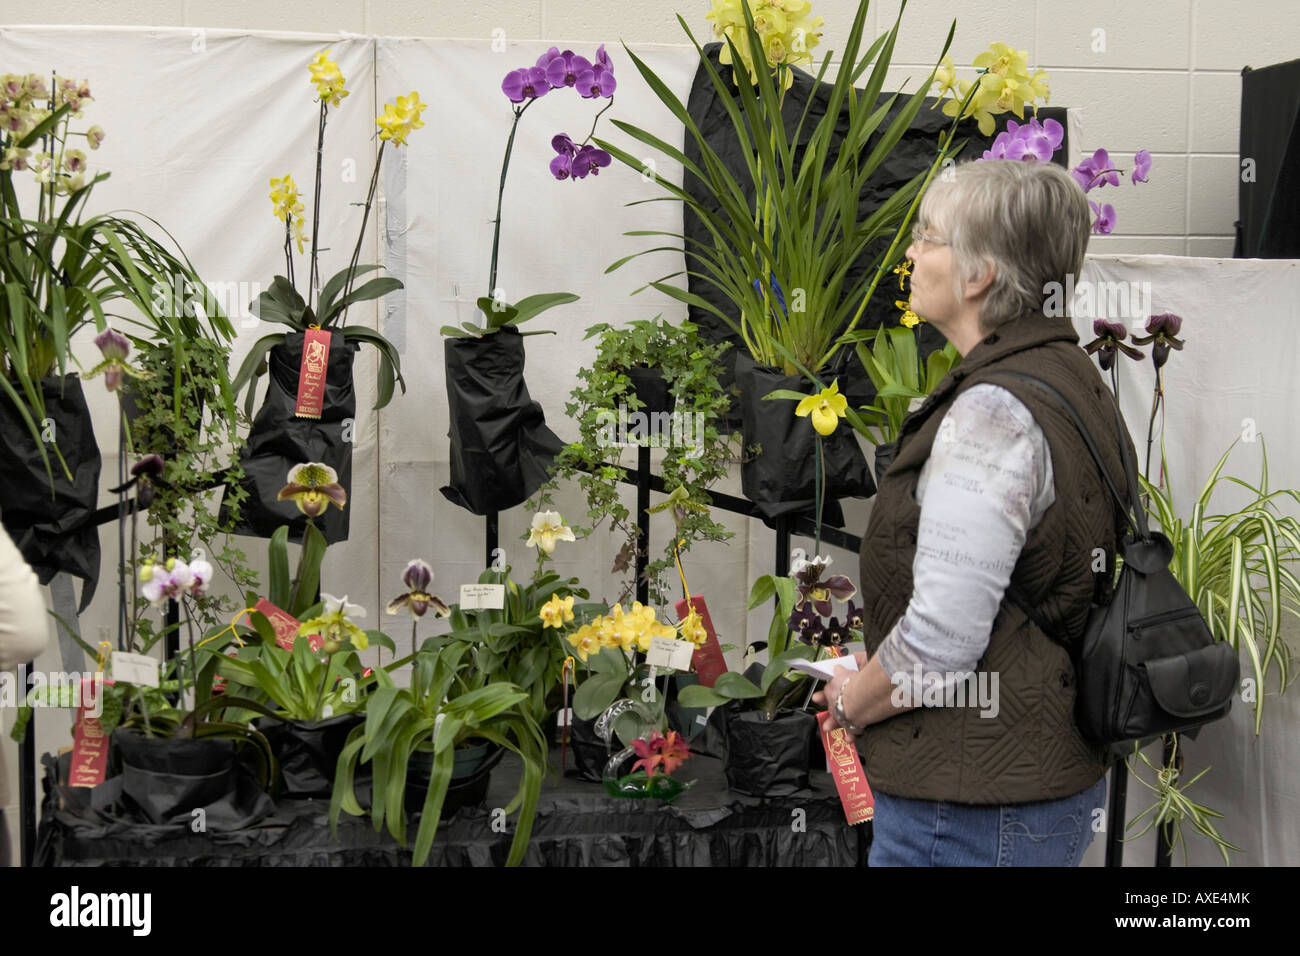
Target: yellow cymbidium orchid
(826, 408)
(787, 29)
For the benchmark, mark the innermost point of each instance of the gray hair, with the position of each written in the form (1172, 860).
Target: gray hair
(1029, 220)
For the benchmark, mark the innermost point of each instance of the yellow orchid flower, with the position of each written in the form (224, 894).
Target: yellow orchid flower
(826, 408)
(548, 528)
(787, 29)
(945, 78)
(910, 318)
(401, 118)
(585, 640)
(903, 270)
(557, 611)
(692, 628)
(335, 625)
(327, 79)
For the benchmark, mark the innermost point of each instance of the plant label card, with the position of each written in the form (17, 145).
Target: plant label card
(138, 669)
(670, 652)
(90, 746)
(824, 670)
(482, 597)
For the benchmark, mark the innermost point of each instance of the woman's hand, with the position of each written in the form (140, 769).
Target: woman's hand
(831, 692)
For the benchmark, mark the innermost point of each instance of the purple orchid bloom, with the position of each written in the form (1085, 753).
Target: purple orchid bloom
(1110, 342)
(596, 82)
(1096, 171)
(1141, 166)
(853, 616)
(834, 635)
(589, 159)
(603, 60)
(1163, 331)
(115, 347)
(562, 165)
(813, 589)
(1105, 223)
(525, 84)
(563, 70)
(545, 59)
(1027, 141)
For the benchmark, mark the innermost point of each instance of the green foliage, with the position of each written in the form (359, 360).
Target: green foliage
(894, 367)
(1237, 567)
(437, 713)
(500, 314)
(689, 366)
(802, 226)
(511, 644)
(281, 303)
(186, 414)
(779, 688)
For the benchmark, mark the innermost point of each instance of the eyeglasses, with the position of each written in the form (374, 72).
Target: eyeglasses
(919, 236)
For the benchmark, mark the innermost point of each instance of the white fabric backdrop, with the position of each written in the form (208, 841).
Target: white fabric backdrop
(198, 122)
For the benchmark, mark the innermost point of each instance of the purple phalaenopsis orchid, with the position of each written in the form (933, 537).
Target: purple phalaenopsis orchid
(1097, 170)
(1141, 166)
(596, 82)
(525, 84)
(1105, 221)
(563, 70)
(562, 165)
(1032, 141)
(589, 159)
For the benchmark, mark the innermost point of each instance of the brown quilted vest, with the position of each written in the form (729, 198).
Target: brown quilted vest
(1031, 750)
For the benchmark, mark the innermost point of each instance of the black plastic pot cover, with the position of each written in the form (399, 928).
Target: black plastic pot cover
(500, 445)
(912, 154)
(54, 530)
(307, 752)
(781, 478)
(279, 440)
(164, 780)
(769, 758)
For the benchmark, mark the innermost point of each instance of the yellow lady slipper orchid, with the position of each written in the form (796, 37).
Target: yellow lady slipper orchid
(826, 408)
(548, 528)
(557, 611)
(692, 628)
(335, 626)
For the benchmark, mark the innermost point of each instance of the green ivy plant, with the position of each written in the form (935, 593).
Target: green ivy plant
(186, 414)
(689, 366)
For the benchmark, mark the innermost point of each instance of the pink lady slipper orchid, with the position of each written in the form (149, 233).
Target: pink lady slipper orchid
(313, 487)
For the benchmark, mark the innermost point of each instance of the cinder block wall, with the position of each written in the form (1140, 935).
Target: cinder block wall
(1162, 74)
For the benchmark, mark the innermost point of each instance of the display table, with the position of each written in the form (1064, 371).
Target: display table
(577, 824)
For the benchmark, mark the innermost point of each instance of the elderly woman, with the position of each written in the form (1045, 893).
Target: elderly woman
(992, 489)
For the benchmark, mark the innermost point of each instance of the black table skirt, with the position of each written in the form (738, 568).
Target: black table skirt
(577, 824)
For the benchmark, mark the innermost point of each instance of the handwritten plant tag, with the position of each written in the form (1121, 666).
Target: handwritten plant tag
(670, 652)
(139, 669)
(482, 597)
(311, 373)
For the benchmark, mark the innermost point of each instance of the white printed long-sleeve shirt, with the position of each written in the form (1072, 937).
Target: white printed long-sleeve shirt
(988, 480)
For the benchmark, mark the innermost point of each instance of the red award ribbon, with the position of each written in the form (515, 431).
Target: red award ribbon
(708, 660)
(89, 743)
(846, 769)
(286, 626)
(311, 373)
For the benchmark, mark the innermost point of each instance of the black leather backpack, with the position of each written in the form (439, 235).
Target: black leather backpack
(1147, 663)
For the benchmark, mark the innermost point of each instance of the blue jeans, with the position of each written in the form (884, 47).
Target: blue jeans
(909, 832)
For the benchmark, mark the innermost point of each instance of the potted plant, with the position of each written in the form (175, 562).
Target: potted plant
(500, 444)
(312, 680)
(612, 413)
(64, 271)
(310, 406)
(767, 730)
(786, 242)
(439, 715)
